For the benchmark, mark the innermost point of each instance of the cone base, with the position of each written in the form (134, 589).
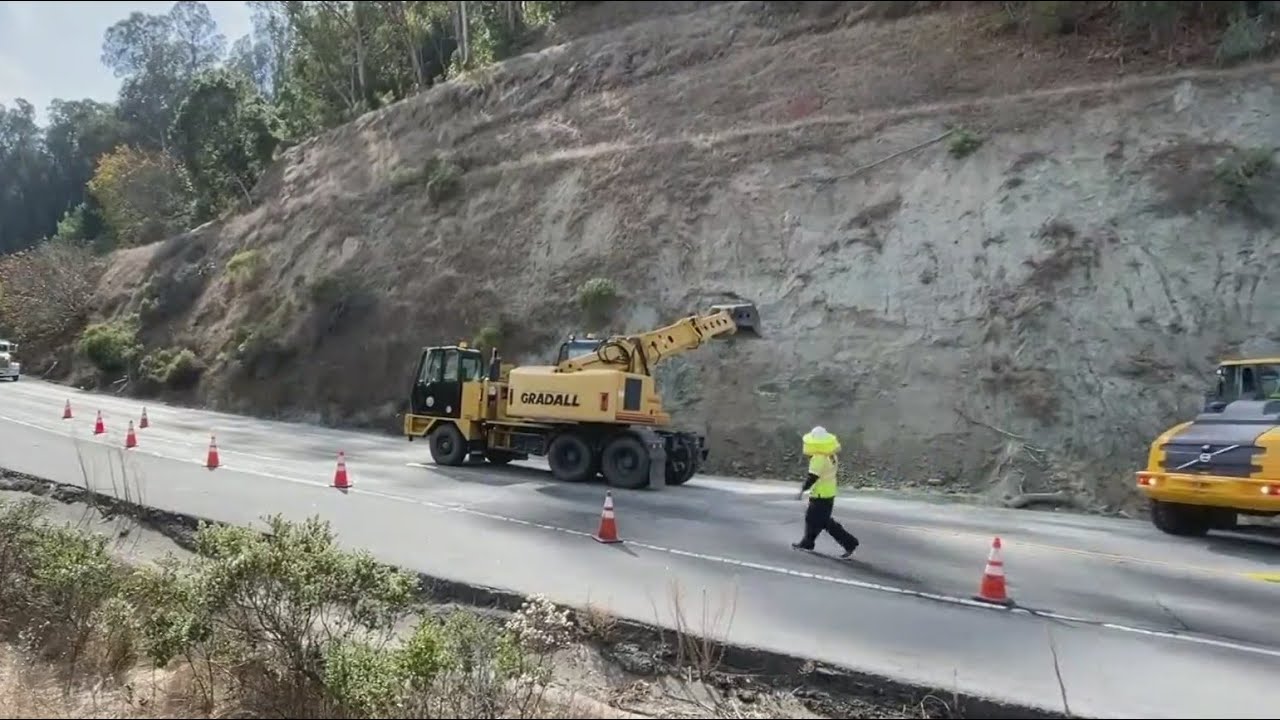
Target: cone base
(1006, 602)
(606, 541)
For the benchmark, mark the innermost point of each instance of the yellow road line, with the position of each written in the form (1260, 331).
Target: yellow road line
(1271, 577)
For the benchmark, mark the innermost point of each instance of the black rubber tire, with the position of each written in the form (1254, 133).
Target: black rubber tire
(571, 458)
(448, 447)
(625, 462)
(682, 462)
(1181, 520)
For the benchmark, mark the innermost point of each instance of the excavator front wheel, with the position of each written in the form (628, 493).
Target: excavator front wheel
(625, 462)
(448, 447)
(571, 458)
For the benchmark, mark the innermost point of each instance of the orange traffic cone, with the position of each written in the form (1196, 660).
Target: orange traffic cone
(993, 589)
(143, 423)
(213, 460)
(66, 411)
(130, 440)
(608, 532)
(98, 426)
(340, 479)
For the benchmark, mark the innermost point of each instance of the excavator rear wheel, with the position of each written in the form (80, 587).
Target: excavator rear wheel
(571, 458)
(682, 462)
(625, 462)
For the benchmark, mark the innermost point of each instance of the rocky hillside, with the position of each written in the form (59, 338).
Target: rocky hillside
(987, 263)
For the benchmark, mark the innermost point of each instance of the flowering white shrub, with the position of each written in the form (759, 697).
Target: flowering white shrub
(540, 626)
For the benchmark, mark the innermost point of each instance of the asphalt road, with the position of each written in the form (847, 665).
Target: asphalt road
(1135, 623)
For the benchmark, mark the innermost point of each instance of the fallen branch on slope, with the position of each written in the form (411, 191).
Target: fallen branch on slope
(1059, 498)
(868, 166)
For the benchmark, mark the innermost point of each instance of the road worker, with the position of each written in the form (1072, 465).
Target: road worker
(822, 449)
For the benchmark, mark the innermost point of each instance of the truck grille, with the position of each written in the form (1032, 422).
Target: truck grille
(1189, 458)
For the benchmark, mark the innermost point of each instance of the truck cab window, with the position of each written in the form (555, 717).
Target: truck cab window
(451, 366)
(432, 368)
(472, 367)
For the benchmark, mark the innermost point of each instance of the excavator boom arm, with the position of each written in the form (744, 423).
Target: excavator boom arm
(639, 353)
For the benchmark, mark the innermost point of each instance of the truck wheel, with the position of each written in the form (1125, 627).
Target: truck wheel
(682, 463)
(1178, 519)
(571, 458)
(448, 447)
(625, 462)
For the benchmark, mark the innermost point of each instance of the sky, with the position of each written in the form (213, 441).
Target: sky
(51, 49)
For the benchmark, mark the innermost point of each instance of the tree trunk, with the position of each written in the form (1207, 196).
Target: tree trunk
(361, 51)
(464, 34)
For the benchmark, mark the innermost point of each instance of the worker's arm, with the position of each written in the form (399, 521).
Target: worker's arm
(808, 483)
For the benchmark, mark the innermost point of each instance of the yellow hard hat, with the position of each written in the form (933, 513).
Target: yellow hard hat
(820, 442)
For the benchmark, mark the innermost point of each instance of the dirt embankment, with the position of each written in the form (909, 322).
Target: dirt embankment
(987, 264)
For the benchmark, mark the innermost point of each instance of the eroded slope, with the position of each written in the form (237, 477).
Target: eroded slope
(1062, 267)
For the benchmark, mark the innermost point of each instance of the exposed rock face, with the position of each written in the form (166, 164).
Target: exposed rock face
(1024, 315)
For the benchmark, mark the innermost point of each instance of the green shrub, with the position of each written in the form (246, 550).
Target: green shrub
(177, 368)
(54, 582)
(443, 179)
(282, 623)
(110, 346)
(245, 269)
(963, 143)
(1242, 177)
(489, 337)
(597, 297)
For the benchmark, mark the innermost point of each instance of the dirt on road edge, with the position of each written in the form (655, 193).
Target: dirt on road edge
(822, 685)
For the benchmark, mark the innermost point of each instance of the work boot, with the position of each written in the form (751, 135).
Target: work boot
(801, 546)
(848, 552)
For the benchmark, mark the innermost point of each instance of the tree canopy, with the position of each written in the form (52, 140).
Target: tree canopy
(198, 118)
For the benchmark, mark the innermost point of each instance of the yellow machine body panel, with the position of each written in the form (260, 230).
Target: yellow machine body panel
(596, 395)
(1228, 457)
(596, 410)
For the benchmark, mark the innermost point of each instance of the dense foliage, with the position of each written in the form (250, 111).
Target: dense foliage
(198, 119)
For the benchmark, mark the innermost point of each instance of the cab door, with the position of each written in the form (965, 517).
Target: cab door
(438, 391)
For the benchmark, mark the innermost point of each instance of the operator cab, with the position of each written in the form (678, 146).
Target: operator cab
(437, 388)
(1244, 380)
(576, 346)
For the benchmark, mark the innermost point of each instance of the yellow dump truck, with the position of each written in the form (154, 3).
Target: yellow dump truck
(1203, 474)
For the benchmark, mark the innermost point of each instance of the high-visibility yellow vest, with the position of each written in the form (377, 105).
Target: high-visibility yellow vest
(824, 466)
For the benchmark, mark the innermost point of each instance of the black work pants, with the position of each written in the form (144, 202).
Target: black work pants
(817, 517)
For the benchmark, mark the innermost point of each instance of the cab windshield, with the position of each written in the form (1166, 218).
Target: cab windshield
(576, 347)
(1259, 381)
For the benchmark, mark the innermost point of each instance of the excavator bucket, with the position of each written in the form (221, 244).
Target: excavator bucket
(744, 316)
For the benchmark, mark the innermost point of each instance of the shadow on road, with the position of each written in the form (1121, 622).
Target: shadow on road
(483, 473)
(1260, 545)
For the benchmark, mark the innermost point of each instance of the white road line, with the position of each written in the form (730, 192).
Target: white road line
(848, 582)
(145, 433)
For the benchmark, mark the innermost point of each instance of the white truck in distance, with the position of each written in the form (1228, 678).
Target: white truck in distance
(10, 368)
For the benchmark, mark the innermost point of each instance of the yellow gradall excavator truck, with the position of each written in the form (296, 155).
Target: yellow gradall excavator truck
(1203, 474)
(595, 411)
